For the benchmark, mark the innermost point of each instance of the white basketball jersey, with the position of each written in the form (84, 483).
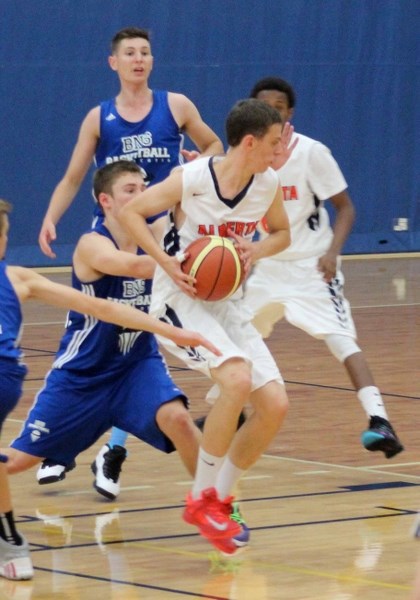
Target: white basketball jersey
(208, 213)
(310, 176)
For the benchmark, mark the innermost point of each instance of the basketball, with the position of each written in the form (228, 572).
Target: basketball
(215, 264)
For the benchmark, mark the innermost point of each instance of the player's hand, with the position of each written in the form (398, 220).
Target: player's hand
(184, 281)
(183, 337)
(285, 147)
(190, 155)
(245, 251)
(46, 236)
(327, 265)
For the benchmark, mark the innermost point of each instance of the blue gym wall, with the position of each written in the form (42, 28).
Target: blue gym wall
(353, 63)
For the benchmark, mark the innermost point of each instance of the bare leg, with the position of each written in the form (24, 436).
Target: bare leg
(176, 423)
(359, 371)
(19, 461)
(5, 497)
(234, 380)
(270, 405)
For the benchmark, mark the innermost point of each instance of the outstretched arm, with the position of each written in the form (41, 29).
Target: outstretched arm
(30, 285)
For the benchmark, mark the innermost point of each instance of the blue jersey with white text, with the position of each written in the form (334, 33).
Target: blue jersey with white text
(90, 346)
(154, 143)
(10, 318)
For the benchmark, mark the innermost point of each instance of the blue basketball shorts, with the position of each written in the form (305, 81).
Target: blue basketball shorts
(12, 375)
(72, 411)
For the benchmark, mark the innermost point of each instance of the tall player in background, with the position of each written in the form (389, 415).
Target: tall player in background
(18, 285)
(142, 125)
(304, 283)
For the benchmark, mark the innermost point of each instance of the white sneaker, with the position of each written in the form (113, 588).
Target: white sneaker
(107, 469)
(15, 561)
(51, 472)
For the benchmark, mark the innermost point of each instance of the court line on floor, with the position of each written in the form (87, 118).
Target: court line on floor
(366, 469)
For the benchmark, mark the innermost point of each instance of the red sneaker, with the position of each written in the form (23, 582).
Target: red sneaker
(226, 546)
(209, 514)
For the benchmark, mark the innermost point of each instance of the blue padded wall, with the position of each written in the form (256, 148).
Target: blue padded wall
(354, 66)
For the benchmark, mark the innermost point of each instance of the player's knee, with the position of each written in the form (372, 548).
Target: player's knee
(234, 380)
(341, 346)
(19, 461)
(236, 386)
(174, 419)
(271, 404)
(277, 409)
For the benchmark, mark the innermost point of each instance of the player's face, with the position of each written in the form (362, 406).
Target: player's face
(267, 147)
(4, 236)
(125, 188)
(277, 100)
(132, 60)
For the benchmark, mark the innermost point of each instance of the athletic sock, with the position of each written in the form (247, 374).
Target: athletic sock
(227, 477)
(371, 400)
(118, 437)
(207, 468)
(8, 530)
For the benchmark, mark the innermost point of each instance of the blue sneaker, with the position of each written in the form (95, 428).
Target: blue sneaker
(381, 436)
(241, 539)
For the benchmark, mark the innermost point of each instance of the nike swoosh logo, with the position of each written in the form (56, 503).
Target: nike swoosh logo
(208, 463)
(199, 194)
(216, 525)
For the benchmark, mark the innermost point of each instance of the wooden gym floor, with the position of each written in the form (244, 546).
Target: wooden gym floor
(329, 520)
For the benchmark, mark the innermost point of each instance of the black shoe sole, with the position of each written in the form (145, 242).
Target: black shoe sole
(387, 448)
(103, 492)
(57, 478)
(52, 479)
(100, 490)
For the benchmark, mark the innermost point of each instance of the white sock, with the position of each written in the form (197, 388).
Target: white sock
(371, 400)
(227, 477)
(207, 468)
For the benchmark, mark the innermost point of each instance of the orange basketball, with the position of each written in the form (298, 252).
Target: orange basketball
(214, 262)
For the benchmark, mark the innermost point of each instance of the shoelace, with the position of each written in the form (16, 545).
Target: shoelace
(112, 466)
(235, 514)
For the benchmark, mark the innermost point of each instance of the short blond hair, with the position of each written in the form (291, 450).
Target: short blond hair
(5, 209)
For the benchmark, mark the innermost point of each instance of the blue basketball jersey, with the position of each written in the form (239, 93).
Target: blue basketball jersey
(91, 346)
(10, 318)
(154, 143)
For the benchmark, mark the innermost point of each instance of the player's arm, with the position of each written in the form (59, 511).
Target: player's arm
(343, 223)
(156, 199)
(30, 285)
(278, 239)
(96, 255)
(189, 120)
(69, 185)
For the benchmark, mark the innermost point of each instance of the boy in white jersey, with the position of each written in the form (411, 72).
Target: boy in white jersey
(304, 282)
(17, 285)
(204, 196)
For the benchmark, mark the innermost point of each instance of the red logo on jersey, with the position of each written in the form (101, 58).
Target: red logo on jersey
(289, 192)
(238, 227)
